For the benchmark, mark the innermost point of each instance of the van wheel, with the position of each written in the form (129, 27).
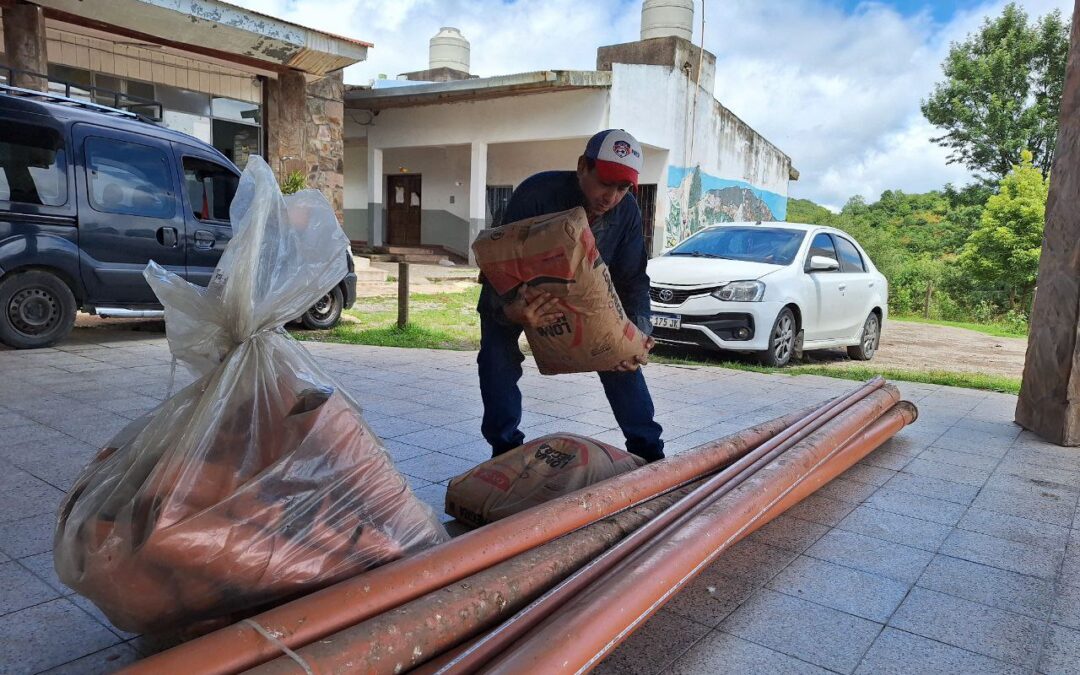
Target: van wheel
(781, 340)
(37, 309)
(868, 340)
(325, 313)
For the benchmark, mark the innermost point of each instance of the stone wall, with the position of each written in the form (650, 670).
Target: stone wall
(24, 44)
(324, 151)
(305, 132)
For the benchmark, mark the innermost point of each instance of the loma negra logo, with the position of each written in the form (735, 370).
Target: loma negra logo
(552, 457)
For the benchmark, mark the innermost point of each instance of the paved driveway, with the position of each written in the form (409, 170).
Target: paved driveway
(947, 550)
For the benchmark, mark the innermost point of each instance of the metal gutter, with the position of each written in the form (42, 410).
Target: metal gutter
(476, 89)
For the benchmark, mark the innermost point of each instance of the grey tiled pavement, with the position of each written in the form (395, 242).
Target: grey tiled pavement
(953, 548)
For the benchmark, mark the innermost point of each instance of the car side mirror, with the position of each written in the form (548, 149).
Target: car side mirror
(820, 263)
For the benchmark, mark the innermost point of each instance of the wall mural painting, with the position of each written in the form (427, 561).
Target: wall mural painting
(699, 200)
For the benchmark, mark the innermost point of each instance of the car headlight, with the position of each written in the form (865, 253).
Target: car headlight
(740, 291)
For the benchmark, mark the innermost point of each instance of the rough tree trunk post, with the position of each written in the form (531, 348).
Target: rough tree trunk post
(1049, 401)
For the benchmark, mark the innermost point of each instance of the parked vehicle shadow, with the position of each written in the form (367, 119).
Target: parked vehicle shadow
(710, 357)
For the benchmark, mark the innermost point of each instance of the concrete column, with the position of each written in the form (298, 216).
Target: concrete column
(477, 193)
(1049, 401)
(376, 187)
(24, 44)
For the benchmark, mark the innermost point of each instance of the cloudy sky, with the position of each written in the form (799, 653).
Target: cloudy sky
(834, 83)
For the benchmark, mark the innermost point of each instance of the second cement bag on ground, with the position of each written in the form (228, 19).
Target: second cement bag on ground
(557, 253)
(531, 474)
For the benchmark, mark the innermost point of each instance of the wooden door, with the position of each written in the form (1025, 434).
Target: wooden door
(403, 210)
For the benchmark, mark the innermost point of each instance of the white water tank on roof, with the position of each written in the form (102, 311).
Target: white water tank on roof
(664, 18)
(449, 49)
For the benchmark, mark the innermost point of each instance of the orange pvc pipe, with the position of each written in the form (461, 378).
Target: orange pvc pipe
(418, 630)
(577, 637)
(312, 617)
(844, 411)
(439, 662)
(849, 455)
(422, 629)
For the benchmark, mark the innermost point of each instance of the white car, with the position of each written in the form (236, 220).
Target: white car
(770, 288)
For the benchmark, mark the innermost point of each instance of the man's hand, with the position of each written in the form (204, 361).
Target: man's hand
(627, 366)
(542, 310)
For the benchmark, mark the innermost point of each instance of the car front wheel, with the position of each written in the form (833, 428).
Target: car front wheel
(868, 339)
(781, 340)
(325, 313)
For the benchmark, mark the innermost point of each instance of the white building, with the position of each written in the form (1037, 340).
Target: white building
(431, 163)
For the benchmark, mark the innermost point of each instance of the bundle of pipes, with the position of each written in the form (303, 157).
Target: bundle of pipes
(594, 564)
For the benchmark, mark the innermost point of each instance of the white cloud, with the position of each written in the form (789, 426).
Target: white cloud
(841, 93)
(838, 92)
(506, 37)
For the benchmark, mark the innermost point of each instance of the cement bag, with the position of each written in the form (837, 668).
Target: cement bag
(261, 479)
(557, 254)
(532, 474)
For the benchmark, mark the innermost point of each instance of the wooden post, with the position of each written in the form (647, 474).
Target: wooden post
(402, 295)
(929, 294)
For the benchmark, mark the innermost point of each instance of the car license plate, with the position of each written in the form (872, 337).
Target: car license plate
(673, 321)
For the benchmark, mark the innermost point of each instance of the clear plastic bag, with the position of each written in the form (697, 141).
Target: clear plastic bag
(259, 480)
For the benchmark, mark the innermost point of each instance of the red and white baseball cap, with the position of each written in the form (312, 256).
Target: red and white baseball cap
(617, 155)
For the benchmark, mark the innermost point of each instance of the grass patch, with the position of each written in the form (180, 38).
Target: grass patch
(436, 321)
(411, 336)
(450, 321)
(998, 383)
(994, 329)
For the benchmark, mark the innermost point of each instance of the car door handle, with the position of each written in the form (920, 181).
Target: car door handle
(842, 287)
(204, 239)
(871, 284)
(166, 236)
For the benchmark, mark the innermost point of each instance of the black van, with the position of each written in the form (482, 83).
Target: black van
(88, 196)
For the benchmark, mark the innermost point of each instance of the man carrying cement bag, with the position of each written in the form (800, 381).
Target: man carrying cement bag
(605, 174)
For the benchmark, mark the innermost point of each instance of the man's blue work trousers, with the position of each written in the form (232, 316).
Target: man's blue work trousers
(499, 364)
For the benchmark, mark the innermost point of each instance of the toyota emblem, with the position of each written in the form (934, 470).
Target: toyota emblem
(666, 295)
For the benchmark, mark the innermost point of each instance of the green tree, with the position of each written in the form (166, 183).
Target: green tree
(806, 211)
(1004, 250)
(1001, 93)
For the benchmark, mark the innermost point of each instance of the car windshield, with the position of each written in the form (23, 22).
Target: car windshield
(772, 245)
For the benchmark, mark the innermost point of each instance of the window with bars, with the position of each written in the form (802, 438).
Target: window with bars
(646, 197)
(498, 197)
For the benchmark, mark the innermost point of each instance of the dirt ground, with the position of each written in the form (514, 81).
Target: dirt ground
(919, 346)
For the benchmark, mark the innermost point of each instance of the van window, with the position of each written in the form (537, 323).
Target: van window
(129, 178)
(33, 165)
(210, 189)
